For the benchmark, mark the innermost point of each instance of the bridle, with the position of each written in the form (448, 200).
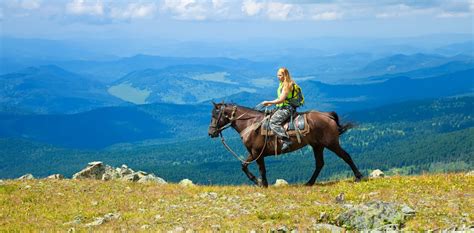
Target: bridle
(232, 119)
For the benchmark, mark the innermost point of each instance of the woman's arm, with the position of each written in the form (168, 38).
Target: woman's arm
(280, 100)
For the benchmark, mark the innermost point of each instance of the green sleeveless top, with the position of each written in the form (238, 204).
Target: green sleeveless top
(286, 102)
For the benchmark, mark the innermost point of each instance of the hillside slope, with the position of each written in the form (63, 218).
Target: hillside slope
(440, 202)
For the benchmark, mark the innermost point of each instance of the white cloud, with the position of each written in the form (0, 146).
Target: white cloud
(402, 10)
(453, 15)
(328, 15)
(22, 4)
(186, 9)
(30, 4)
(279, 11)
(83, 7)
(251, 8)
(216, 4)
(133, 10)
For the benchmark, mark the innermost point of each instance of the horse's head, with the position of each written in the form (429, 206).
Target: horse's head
(219, 118)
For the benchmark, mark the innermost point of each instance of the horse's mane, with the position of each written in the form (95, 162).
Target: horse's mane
(246, 108)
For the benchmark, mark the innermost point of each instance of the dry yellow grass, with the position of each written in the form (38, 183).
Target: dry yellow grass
(441, 201)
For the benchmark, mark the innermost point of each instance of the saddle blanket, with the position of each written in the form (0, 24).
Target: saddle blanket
(300, 124)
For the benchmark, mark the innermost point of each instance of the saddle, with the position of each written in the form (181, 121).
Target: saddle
(298, 126)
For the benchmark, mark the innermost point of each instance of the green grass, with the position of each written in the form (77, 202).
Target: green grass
(441, 201)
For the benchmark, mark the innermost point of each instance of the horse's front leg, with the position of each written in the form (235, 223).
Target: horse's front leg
(245, 169)
(263, 171)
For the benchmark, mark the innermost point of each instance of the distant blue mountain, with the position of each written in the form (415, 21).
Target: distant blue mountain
(344, 98)
(110, 71)
(466, 48)
(50, 89)
(403, 63)
(105, 126)
(447, 68)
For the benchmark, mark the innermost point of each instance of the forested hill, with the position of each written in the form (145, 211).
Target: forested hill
(406, 138)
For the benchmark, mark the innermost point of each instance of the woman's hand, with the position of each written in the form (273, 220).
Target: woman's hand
(266, 103)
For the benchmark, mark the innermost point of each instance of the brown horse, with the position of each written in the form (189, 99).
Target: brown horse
(324, 133)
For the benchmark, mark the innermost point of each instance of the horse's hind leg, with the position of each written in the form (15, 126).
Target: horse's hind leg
(245, 169)
(336, 148)
(318, 157)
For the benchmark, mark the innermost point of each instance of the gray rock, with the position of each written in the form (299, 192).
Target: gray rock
(94, 170)
(281, 183)
(124, 170)
(152, 179)
(377, 174)
(323, 217)
(99, 171)
(178, 229)
(327, 227)
(216, 227)
(145, 227)
(471, 173)
(2, 182)
(373, 215)
(110, 173)
(26, 177)
(210, 195)
(55, 177)
(131, 177)
(340, 198)
(101, 220)
(77, 220)
(282, 229)
(186, 183)
(407, 210)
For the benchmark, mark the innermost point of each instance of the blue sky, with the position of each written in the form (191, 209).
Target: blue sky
(232, 20)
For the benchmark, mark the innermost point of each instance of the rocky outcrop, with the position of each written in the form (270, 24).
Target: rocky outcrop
(281, 183)
(100, 171)
(377, 173)
(324, 227)
(376, 215)
(55, 177)
(101, 220)
(186, 183)
(94, 170)
(26, 177)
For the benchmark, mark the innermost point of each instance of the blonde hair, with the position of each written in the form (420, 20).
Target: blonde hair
(287, 80)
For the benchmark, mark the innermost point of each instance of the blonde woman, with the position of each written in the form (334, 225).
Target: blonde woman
(284, 108)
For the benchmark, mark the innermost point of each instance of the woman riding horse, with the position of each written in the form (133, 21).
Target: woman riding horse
(324, 131)
(284, 109)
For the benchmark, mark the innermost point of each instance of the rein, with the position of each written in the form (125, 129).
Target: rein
(231, 120)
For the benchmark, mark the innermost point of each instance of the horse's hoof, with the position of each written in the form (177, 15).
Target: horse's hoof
(360, 179)
(309, 184)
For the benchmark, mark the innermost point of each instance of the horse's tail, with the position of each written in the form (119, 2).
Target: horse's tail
(341, 128)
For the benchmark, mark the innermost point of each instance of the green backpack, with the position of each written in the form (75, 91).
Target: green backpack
(297, 99)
